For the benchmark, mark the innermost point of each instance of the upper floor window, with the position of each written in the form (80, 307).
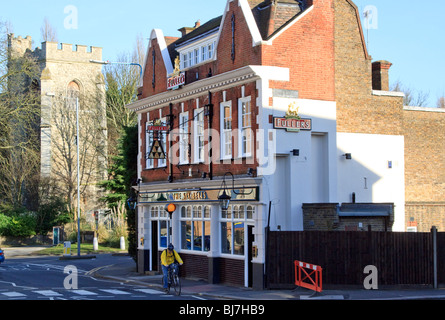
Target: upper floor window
(245, 126)
(183, 138)
(162, 137)
(197, 54)
(149, 139)
(226, 130)
(198, 135)
(73, 94)
(73, 90)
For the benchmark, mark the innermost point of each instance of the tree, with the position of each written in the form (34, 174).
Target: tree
(416, 98)
(19, 125)
(441, 102)
(122, 81)
(47, 32)
(64, 141)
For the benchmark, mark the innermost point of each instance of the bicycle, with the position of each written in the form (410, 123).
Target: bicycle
(173, 279)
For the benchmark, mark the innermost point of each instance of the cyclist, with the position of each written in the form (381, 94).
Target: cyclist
(168, 258)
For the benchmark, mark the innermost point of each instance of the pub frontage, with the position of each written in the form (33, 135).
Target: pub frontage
(249, 123)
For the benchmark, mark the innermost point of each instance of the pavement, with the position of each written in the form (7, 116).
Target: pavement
(126, 272)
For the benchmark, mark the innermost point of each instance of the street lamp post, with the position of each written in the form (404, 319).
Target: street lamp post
(78, 177)
(123, 63)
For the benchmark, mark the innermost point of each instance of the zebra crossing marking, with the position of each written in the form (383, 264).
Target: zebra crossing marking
(13, 294)
(48, 293)
(83, 292)
(114, 291)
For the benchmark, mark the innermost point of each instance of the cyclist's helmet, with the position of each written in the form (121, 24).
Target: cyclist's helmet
(170, 247)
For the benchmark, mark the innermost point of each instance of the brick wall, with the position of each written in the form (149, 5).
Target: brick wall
(425, 169)
(160, 72)
(307, 49)
(237, 166)
(325, 217)
(245, 53)
(358, 110)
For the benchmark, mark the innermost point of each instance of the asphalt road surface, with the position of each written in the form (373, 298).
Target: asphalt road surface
(48, 278)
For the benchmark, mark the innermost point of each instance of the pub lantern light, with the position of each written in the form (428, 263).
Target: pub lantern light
(224, 200)
(132, 203)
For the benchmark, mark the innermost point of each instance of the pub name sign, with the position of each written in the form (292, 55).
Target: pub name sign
(177, 79)
(292, 121)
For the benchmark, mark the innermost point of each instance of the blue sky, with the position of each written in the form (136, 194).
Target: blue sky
(407, 33)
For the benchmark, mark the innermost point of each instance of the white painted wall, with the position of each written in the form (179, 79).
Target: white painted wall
(291, 184)
(368, 173)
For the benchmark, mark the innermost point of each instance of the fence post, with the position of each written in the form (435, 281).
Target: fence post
(434, 235)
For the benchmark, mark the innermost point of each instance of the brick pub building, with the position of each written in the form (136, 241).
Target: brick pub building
(278, 104)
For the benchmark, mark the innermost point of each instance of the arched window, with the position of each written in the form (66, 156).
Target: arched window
(73, 90)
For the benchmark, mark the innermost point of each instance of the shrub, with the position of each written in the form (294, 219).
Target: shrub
(22, 225)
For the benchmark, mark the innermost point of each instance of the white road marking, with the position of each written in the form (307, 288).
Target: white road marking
(14, 294)
(114, 291)
(83, 292)
(48, 293)
(149, 291)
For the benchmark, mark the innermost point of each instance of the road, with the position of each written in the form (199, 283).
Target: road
(48, 278)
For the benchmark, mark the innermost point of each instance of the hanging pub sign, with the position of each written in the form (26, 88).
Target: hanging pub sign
(177, 79)
(292, 122)
(157, 125)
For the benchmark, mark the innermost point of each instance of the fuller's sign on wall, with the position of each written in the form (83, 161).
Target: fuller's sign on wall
(177, 79)
(175, 82)
(292, 121)
(292, 124)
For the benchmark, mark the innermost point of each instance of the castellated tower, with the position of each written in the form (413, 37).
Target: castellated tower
(69, 81)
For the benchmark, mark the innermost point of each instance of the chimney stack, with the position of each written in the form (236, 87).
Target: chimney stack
(187, 30)
(380, 75)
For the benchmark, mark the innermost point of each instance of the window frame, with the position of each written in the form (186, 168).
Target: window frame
(149, 137)
(228, 217)
(245, 129)
(198, 135)
(226, 133)
(163, 162)
(196, 216)
(184, 139)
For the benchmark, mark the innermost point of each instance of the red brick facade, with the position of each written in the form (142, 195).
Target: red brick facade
(321, 46)
(327, 58)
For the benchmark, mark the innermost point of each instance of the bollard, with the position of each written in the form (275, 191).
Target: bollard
(67, 248)
(122, 243)
(95, 244)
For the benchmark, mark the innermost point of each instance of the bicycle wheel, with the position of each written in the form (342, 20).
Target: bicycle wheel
(176, 283)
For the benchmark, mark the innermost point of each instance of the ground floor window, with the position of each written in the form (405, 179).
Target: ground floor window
(195, 228)
(158, 213)
(233, 222)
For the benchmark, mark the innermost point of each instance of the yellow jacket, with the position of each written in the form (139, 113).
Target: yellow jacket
(168, 258)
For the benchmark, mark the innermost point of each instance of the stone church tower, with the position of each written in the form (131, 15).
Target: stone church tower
(68, 79)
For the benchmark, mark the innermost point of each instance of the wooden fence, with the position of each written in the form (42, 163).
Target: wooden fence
(400, 258)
